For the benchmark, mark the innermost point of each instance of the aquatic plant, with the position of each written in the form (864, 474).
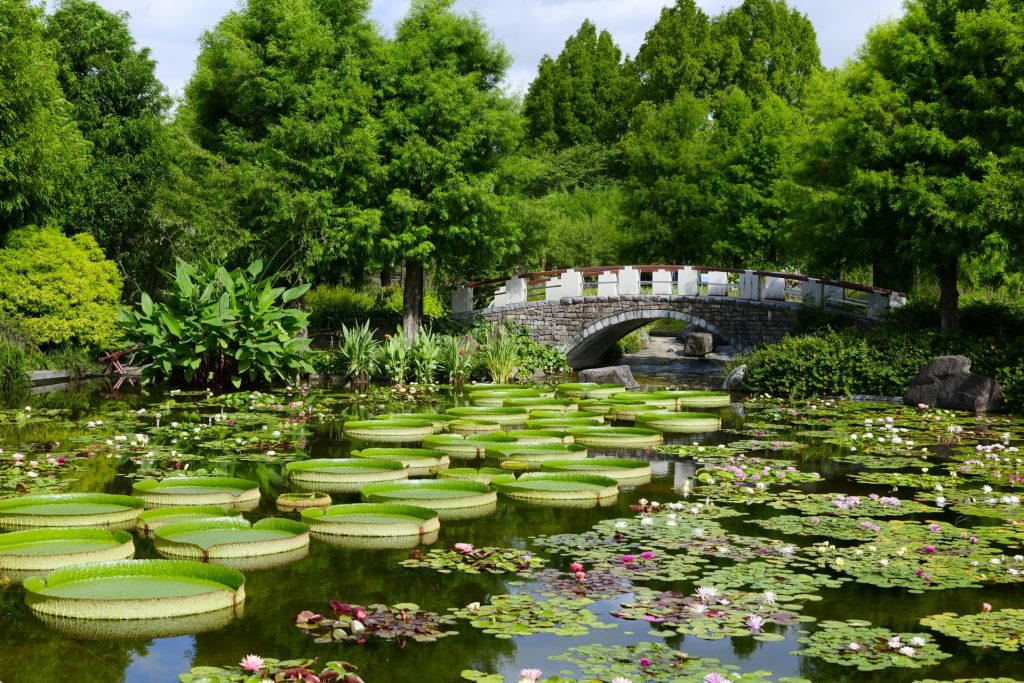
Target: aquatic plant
(465, 558)
(857, 643)
(268, 668)
(507, 616)
(1002, 629)
(358, 349)
(359, 623)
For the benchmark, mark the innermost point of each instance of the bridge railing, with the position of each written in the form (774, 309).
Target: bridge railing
(651, 280)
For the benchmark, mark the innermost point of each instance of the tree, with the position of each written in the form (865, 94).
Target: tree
(119, 106)
(765, 48)
(922, 154)
(447, 128)
(677, 54)
(582, 96)
(42, 153)
(281, 93)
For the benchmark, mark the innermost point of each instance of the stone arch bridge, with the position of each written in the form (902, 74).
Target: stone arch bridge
(584, 311)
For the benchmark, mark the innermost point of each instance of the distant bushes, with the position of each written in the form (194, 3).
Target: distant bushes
(330, 306)
(885, 359)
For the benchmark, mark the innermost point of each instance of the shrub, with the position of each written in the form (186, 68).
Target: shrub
(12, 369)
(458, 354)
(59, 290)
(524, 354)
(390, 300)
(499, 355)
(394, 357)
(425, 355)
(634, 342)
(215, 328)
(331, 305)
(358, 351)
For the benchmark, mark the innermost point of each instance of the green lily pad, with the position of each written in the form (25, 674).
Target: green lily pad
(858, 644)
(1002, 629)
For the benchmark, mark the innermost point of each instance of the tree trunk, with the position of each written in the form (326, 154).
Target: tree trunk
(385, 276)
(412, 299)
(949, 296)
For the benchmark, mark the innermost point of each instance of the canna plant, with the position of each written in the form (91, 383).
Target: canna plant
(425, 355)
(395, 357)
(499, 355)
(457, 356)
(220, 328)
(358, 350)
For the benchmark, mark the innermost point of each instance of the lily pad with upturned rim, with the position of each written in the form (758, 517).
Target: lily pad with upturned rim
(240, 493)
(446, 496)
(501, 416)
(420, 462)
(388, 431)
(135, 589)
(152, 519)
(343, 475)
(214, 539)
(294, 502)
(622, 470)
(561, 489)
(42, 550)
(69, 509)
(484, 475)
(616, 437)
(373, 520)
(679, 423)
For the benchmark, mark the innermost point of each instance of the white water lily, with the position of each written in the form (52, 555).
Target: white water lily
(908, 651)
(917, 641)
(768, 598)
(894, 643)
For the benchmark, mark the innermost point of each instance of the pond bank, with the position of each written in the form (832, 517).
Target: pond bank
(663, 358)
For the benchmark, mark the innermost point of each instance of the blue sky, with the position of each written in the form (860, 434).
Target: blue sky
(529, 29)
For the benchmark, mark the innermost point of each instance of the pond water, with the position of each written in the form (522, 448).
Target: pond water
(918, 508)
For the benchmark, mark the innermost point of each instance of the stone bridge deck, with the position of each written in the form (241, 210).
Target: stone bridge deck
(740, 307)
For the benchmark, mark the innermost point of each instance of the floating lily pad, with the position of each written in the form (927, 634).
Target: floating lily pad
(152, 519)
(872, 505)
(293, 502)
(451, 498)
(1002, 629)
(572, 490)
(693, 398)
(501, 416)
(135, 589)
(464, 427)
(343, 475)
(679, 423)
(616, 437)
(509, 616)
(40, 550)
(495, 397)
(219, 539)
(420, 462)
(358, 624)
(484, 475)
(388, 431)
(625, 471)
(467, 559)
(770, 577)
(240, 493)
(69, 510)
(869, 648)
(373, 520)
(273, 669)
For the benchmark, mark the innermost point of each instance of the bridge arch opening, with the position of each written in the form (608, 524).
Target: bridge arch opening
(589, 347)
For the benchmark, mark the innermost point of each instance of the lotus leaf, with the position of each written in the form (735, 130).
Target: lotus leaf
(469, 560)
(358, 623)
(1002, 629)
(512, 615)
(869, 648)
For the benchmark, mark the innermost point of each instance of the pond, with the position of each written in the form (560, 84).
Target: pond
(821, 541)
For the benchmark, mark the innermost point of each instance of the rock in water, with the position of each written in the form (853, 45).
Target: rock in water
(734, 380)
(947, 382)
(612, 374)
(697, 344)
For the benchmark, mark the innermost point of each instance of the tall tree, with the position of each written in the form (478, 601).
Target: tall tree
(42, 154)
(677, 54)
(281, 94)
(582, 96)
(765, 48)
(119, 106)
(446, 129)
(924, 155)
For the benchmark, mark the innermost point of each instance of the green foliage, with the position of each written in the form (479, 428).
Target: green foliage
(676, 54)
(358, 350)
(119, 107)
(634, 342)
(215, 327)
(281, 95)
(582, 96)
(425, 354)
(499, 356)
(457, 358)
(308, 669)
(394, 357)
(329, 305)
(59, 290)
(12, 368)
(915, 157)
(391, 300)
(42, 153)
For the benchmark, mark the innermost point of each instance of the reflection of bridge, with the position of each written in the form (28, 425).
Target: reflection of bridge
(585, 310)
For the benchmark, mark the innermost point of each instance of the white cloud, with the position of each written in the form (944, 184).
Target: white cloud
(529, 29)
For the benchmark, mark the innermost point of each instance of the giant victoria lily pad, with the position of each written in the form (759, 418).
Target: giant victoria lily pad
(374, 520)
(69, 510)
(484, 475)
(135, 589)
(150, 520)
(388, 431)
(495, 397)
(536, 452)
(217, 539)
(240, 493)
(622, 470)
(452, 498)
(420, 462)
(679, 423)
(561, 489)
(343, 475)
(40, 550)
(616, 437)
(502, 416)
(697, 399)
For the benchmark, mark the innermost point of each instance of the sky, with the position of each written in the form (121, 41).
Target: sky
(529, 29)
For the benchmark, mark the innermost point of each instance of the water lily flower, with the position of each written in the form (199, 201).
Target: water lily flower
(854, 646)
(645, 662)
(894, 643)
(576, 567)
(464, 547)
(621, 679)
(581, 576)
(647, 521)
(647, 555)
(705, 593)
(906, 650)
(754, 623)
(716, 678)
(768, 597)
(357, 626)
(917, 641)
(252, 663)
(934, 527)
(628, 559)
(985, 607)
(473, 606)
(529, 675)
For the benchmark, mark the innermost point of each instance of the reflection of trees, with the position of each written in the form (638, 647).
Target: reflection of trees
(31, 652)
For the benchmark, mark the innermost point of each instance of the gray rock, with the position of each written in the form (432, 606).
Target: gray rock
(734, 380)
(697, 344)
(947, 382)
(612, 374)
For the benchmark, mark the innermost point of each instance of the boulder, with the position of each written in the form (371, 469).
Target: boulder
(612, 374)
(947, 382)
(734, 380)
(697, 344)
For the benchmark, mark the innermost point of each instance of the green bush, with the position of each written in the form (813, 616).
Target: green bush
(12, 369)
(216, 328)
(390, 300)
(634, 342)
(330, 306)
(59, 290)
(524, 353)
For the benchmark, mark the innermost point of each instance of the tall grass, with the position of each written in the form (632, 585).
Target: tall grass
(359, 350)
(457, 358)
(499, 355)
(12, 369)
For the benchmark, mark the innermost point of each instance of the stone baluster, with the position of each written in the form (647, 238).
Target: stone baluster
(812, 293)
(608, 284)
(689, 282)
(775, 288)
(661, 283)
(462, 299)
(629, 281)
(750, 285)
(718, 283)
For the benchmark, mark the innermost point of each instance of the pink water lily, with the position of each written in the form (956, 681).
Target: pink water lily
(464, 547)
(252, 663)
